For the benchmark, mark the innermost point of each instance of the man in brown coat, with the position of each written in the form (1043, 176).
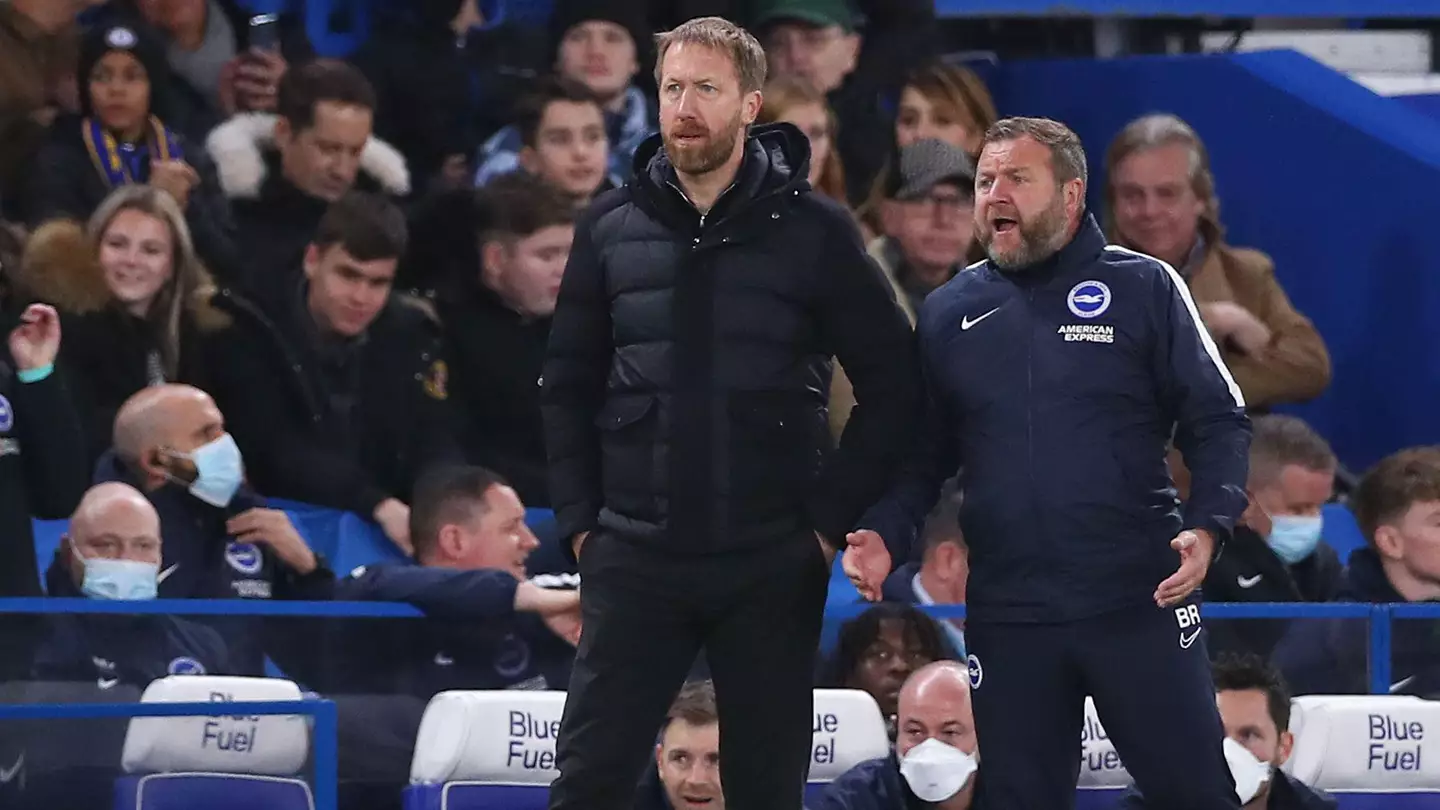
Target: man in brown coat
(1161, 198)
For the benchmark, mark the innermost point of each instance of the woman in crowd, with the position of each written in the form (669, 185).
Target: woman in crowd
(795, 101)
(121, 138)
(133, 298)
(879, 649)
(938, 101)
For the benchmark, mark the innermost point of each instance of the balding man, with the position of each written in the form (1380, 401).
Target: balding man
(171, 443)
(934, 762)
(112, 550)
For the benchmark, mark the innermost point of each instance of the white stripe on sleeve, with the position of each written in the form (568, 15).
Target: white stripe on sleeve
(1205, 339)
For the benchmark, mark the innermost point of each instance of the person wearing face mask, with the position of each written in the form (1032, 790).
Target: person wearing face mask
(171, 443)
(112, 550)
(1276, 554)
(488, 626)
(935, 762)
(1254, 705)
(1397, 504)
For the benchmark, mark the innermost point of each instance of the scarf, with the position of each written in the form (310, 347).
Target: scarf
(122, 164)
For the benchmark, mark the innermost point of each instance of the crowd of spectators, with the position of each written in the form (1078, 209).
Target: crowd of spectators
(235, 271)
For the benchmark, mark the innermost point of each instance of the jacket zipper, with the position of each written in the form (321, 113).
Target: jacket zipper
(1036, 518)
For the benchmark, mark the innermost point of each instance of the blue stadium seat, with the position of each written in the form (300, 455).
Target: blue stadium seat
(1340, 530)
(321, 19)
(496, 750)
(1368, 751)
(186, 791)
(223, 763)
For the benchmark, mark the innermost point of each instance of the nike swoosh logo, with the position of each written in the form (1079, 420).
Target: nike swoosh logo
(7, 775)
(1401, 684)
(164, 575)
(966, 323)
(1249, 582)
(1187, 641)
(106, 683)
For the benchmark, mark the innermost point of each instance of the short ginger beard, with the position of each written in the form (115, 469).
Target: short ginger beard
(708, 156)
(1039, 238)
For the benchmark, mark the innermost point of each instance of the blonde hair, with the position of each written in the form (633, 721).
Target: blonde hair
(1152, 132)
(788, 92)
(724, 36)
(189, 280)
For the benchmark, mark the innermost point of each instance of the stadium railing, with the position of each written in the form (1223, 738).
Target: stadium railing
(1380, 616)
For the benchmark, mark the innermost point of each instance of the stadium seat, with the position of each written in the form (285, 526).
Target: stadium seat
(220, 763)
(496, 750)
(1340, 530)
(1102, 776)
(1369, 752)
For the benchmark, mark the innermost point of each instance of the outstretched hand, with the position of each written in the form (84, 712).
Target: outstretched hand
(1196, 548)
(866, 562)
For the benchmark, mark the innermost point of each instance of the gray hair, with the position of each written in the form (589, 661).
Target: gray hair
(1067, 154)
(1163, 129)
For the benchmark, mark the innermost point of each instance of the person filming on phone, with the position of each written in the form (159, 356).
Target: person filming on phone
(228, 61)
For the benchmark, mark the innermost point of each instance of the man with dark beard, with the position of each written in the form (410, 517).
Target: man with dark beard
(684, 401)
(1058, 372)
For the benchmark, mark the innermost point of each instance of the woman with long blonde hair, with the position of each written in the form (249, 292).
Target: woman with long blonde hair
(133, 297)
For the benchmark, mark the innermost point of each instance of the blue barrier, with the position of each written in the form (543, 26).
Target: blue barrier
(325, 733)
(1380, 616)
(1186, 8)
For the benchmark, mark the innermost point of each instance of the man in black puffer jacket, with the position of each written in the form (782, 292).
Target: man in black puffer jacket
(684, 401)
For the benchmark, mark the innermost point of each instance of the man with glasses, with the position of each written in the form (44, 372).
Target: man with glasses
(928, 220)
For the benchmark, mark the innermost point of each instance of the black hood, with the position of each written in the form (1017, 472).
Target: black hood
(777, 161)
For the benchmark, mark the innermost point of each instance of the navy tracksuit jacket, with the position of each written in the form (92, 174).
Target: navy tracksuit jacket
(875, 784)
(472, 637)
(1056, 389)
(115, 649)
(201, 561)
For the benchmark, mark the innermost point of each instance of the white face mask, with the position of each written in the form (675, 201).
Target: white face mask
(1250, 774)
(936, 771)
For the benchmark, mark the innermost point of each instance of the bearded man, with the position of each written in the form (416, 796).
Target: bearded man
(1058, 371)
(684, 400)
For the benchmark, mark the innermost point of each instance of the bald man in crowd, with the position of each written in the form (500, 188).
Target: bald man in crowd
(222, 540)
(112, 551)
(935, 758)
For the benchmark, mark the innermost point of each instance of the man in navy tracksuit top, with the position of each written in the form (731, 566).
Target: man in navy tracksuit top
(486, 626)
(1057, 373)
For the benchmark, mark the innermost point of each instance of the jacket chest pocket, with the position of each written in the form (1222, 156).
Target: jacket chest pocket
(775, 446)
(631, 454)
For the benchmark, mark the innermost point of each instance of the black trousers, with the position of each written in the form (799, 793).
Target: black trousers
(1146, 668)
(756, 615)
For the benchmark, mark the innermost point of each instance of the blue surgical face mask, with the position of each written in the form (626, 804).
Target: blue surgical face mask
(125, 580)
(1294, 537)
(220, 471)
